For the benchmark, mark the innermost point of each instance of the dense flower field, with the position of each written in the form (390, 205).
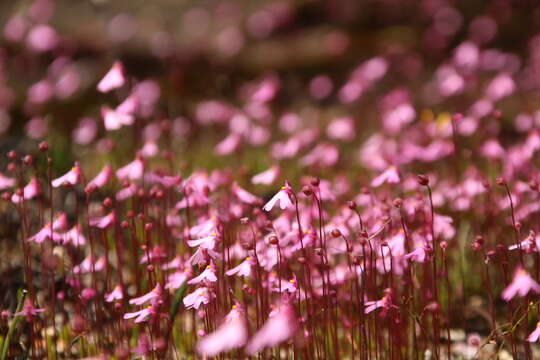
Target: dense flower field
(280, 180)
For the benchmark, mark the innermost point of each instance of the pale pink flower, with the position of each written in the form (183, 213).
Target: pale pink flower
(104, 221)
(74, 236)
(150, 311)
(44, 234)
(195, 299)
(230, 335)
(154, 295)
(209, 274)
(113, 79)
(30, 191)
(244, 269)
(72, 177)
(533, 337)
(282, 198)
(29, 310)
(88, 265)
(61, 222)
(132, 171)
(207, 242)
(417, 255)
(177, 279)
(520, 285)
(385, 303)
(280, 326)
(390, 176)
(341, 129)
(5, 182)
(114, 120)
(116, 294)
(127, 192)
(244, 195)
(164, 180)
(266, 177)
(102, 178)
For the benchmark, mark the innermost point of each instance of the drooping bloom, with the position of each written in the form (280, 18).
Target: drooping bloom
(196, 298)
(72, 177)
(230, 335)
(282, 198)
(29, 310)
(520, 285)
(177, 279)
(6, 182)
(30, 191)
(132, 171)
(88, 264)
(116, 294)
(102, 178)
(390, 176)
(105, 221)
(45, 233)
(74, 236)
(385, 303)
(535, 335)
(113, 79)
(209, 274)
(280, 326)
(114, 120)
(152, 296)
(244, 269)
(243, 195)
(143, 315)
(266, 177)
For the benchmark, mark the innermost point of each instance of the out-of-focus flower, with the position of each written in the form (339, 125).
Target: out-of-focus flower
(113, 79)
(280, 326)
(521, 285)
(72, 177)
(230, 335)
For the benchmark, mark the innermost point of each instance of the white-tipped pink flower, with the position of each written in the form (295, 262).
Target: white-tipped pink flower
(30, 191)
(209, 274)
(244, 269)
(44, 234)
(197, 298)
(116, 294)
(113, 79)
(104, 222)
(266, 177)
(282, 198)
(390, 176)
(132, 171)
(280, 326)
(152, 296)
(230, 335)
(101, 179)
(520, 285)
(72, 177)
(114, 120)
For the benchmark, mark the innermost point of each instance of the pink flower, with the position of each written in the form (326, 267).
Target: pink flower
(87, 264)
(207, 242)
(102, 178)
(72, 177)
(30, 191)
(521, 284)
(114, 120)
(116, 294)
(127, 192)
(144, 314)
(29, 310)
(230, 335)
(104, 222)
(132, 171)
(5, 182)
(417, 255)
(280, 326)
(209, 274)
(177, 279)
(385, 303)
(113, 79)
(390, 176)
(152, 296)
(244, 195)
(282, 198)
(533, 337)
(196, 298)
(266, 177)
(74, 236)
(45, 233)
(244, 269)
